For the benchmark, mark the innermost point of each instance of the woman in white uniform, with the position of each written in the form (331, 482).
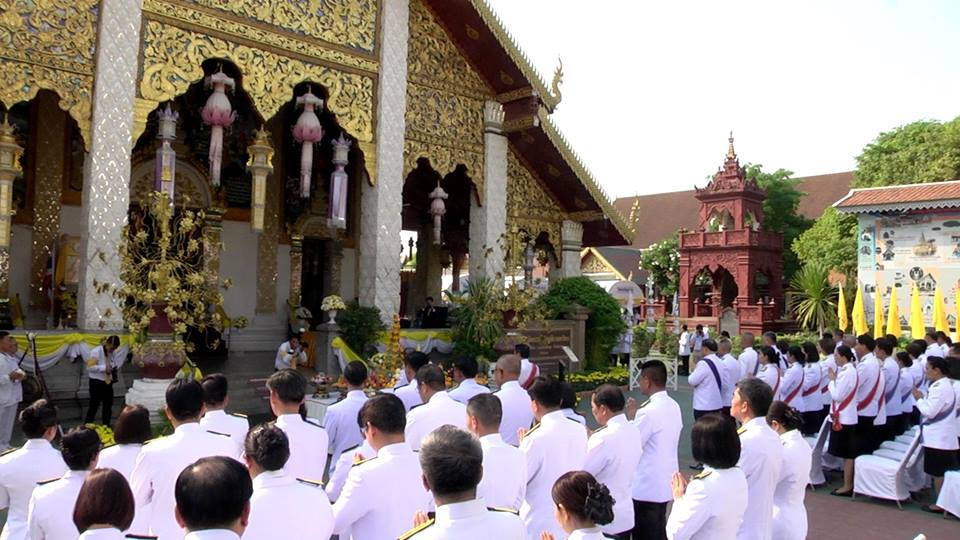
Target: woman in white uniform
(789, 513)
(582, 505)
(791, 388)
(812, 401)
(104, 506)
(132, 430)
(769, 372)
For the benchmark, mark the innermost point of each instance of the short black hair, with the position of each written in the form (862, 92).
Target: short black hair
(846, 352)
(610, 396)
(184, 399)
(384, 412)
(893, 339)
(268, 446)
(133, 425)
(954, 364)
(289, 385)
(467, 365)
(932, 334)
(904, 358)
(568, 399)
(547, 391)
(783, 345)
(770, 353)
(917, 347)
(943, 335)
(79, 447)
(797, 353)
(810, 351)
(724, 333)
(487, 409)
(214, 389)
(105, 498)
(828, 345)
(827, 334)
(416, 360)
(656, 371)
(355, 373)
(785, 415)
(451, 460)
(212, 493)
(710, 344)
(522, 349)
(867, 341)
(37, 418)
(432, 377)
(714, 441)
(885, 345)
(430, 298)
(772, 336)
(757, 394)
(939, 363)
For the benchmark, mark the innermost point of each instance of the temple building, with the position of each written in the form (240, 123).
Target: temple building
(309, 136)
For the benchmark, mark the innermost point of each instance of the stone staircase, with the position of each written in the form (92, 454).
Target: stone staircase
(264, 334)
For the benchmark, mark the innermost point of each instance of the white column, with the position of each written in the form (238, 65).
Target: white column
(106, 179)
(572, 233)
(488, 223)
(380, 205)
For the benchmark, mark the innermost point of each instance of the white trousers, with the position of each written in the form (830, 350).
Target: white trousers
(8, 413)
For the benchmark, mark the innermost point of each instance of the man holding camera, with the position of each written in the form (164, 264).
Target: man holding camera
(290, 354)
(102, 369)
(11, 389)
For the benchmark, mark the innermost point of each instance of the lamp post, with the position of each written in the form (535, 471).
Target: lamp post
(10, 169)
(260, 164)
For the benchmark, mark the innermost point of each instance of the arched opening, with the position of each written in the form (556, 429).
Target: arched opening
(720, 220)
(727, 286)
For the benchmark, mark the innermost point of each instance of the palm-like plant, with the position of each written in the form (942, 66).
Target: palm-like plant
(814, 301)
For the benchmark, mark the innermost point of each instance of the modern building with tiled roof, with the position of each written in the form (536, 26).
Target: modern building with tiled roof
(901, 198)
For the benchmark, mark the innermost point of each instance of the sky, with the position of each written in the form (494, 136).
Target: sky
(652, 89)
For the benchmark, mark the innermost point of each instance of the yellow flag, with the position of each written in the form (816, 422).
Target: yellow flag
(842, 319)
(939, 312)
(893, 316)
(877, 313)
(860, 326)
(917, 326)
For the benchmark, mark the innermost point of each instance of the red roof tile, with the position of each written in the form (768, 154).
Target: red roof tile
(937, 194)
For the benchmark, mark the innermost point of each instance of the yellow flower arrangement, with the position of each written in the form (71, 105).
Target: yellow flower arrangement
(333, 302)
(104, 432)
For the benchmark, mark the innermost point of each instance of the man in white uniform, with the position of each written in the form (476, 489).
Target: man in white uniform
(761, 456)
(438, 407)
(213, 499)
(290, 354)
(892, 401)
(749, 362)
(280, 502)
(384, 493)
(161, 460)
(613, 454)
(555, 446)
(870, 390)
(308, 441)
(409, 393)
(452, 460)
(504, 479)
(938, 411)
(215, 416)
(465, 371)
(659, 421)
(22, 469)
(340, 420)
(48, 517)
(730, 373)
(514, 400)
(11, 389)
(528, 370)
(709, 384)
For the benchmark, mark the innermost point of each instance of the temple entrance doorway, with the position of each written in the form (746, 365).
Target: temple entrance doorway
(315, 276)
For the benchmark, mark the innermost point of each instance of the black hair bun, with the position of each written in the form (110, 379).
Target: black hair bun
(598, 506)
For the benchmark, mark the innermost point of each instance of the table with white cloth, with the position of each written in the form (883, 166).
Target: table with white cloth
(317, 407)
(54, 346)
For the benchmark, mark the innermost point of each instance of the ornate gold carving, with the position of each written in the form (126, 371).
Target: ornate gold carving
(296, 269)
(513, 95)
(269, 237)
(283, 39)
(585, 216)
(190, 183)
(433, 59)
(369, 150)
(212, 245)
(48, 178)
(49, 44)
(593, 265)
(141, 112)
(172, 60)
(529, 205)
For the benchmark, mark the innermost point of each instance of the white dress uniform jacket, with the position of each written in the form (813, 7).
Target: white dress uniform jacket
(212, 534)
(749, 363)
(613, 455)
(761, 458)
(382, 495)
(919, 372)
(557, 446)
(409, 395)
(338, 477)
(234, 425)
(791, 387)
(891, 383)
(441, 410)
(51, 507)
(575, 416)
(120, 457)
(907, 382)
(659, 422)
(731, 373)
(711, 508)
(871, 376)
(11, 392)
(286, 357)
(789, 514)
(707, 391)
(20, 471)
(504, 481)
(158, 465)
(770, 374)
(593, 533)
(308, 447)
(517, 413)
(109, 533)
(340, 421)
(470, 520)
(528, 372)
(938, 411)
(812, 399)
(467, 389)
(97, 362)
(840, 391)
(287, 508)
(828, 363)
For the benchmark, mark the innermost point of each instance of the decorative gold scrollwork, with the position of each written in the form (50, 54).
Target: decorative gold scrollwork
(529, 206)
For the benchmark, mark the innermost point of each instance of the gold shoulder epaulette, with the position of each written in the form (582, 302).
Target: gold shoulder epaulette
(644, 404)
(218, 433)
(111, 445)
(502, 509)
(9, 450)
(704, 474)
(45, 482)
(238, 415)
(312, 423)
(313, 483)
(140, 537)
(741, 430)
(154, 439)
(600, 428)
(531, 430)
(415, 530)
(362, 461)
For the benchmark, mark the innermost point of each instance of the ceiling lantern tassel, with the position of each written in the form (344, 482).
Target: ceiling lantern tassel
(308, 132)
(339, 182)
(437, 210)
(218, 114)
(260, 165)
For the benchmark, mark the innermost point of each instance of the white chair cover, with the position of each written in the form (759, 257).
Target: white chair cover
(949, 498)
(885, 478)
(818, 444)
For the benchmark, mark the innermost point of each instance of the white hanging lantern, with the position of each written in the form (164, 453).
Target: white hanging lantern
(166, 169)
(308, 132)
(218, 114)
(260, 164)
(437, 210)
(339, 182)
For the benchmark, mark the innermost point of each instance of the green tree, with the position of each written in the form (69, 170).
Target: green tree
(813, 301)
(831, 242)
(662, 261)
(923, 151)
(780, 210)
(604, 325)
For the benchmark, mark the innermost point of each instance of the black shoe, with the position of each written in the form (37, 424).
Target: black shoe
(697, 466)
(839, 493)
(931, 509)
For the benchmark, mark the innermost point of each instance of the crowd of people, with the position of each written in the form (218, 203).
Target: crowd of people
(423, 461)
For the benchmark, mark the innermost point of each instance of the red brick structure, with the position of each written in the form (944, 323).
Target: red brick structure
(730, 264)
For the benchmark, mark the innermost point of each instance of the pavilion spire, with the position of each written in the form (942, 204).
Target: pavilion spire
(731, 153)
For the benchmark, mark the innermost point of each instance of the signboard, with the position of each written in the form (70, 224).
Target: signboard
(546, 340)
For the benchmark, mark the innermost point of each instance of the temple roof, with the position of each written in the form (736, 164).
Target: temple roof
(927, 196)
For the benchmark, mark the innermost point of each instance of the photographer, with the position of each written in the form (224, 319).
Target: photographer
(290, 354)
(102, 370)
(11, 390)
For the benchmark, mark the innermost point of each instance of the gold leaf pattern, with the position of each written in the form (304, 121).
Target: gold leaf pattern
(529, 206)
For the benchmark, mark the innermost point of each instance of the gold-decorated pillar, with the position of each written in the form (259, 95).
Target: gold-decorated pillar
(212, 244)
(269, 237)
(296, 268)
(10, 169)
(48, 178)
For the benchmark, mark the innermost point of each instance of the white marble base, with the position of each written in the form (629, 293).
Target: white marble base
(152, 394)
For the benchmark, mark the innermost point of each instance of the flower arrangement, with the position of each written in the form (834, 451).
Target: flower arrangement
(386, 366)
(104, 432)
(333, 302)
(589, 380)
(240, 323)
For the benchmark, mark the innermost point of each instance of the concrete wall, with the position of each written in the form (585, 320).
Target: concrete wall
(239, 262)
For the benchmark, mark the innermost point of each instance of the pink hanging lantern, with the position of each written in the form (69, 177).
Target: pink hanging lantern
(218, 114)
(339, 182)
(437, 210)
(165, 174)
(308, 132)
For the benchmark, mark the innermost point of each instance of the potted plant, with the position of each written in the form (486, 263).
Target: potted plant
(332, 304)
